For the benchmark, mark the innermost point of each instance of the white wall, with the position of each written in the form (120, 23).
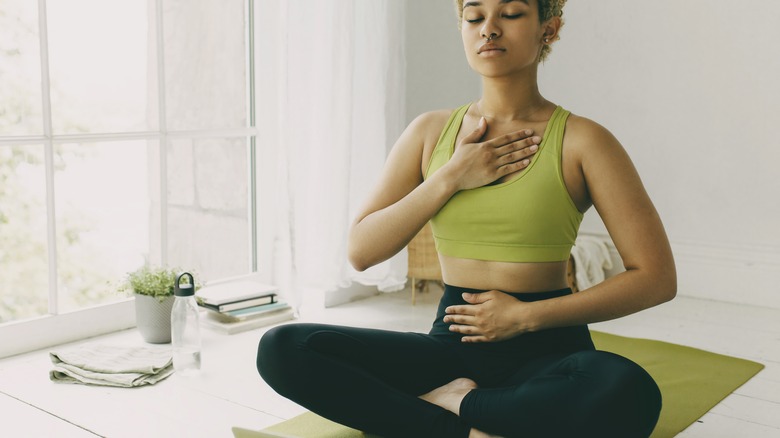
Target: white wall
(437, 74)
(690, 88)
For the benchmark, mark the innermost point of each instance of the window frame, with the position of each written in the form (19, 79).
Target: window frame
(55, 327)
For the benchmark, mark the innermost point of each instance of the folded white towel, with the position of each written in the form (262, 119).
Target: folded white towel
(591, 258)
(108, 365)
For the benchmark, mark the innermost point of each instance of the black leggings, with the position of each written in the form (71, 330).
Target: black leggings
(551, 383)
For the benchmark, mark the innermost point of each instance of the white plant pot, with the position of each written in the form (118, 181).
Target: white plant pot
(153, 318)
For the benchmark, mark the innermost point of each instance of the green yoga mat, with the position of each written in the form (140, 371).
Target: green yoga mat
(692, 381)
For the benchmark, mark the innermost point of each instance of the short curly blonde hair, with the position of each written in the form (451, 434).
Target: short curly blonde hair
(547, 10)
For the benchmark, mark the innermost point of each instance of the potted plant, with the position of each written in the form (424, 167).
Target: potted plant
(153, 289)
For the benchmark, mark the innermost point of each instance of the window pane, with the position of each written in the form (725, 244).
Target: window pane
(102, 218)
(101, 66)
(208, 206)
(205, 63)
(24, 285)
(20, 69)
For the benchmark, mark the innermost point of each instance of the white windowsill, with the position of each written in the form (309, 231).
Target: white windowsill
(46, 331)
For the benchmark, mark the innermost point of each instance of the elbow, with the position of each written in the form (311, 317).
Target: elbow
(667, 294)
(672, 289)
(659, 281)
(359, 264)
(357, 258)
(362, 258)
(361, 253)
(667, 286)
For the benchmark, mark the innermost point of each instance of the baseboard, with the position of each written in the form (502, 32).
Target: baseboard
(353, 292)
(735, 274)
(745, 275)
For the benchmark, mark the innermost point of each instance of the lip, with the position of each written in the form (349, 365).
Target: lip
(489, 47)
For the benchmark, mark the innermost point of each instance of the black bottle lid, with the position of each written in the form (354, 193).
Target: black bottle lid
(184, 290)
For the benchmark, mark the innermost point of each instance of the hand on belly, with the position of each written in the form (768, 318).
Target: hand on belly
(489, 317)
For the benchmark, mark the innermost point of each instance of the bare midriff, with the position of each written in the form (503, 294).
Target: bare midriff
(503, 276)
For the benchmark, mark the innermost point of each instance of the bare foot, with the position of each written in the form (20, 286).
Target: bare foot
(450, 395)
(479, 434)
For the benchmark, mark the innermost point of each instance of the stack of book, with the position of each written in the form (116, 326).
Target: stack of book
(242, 305)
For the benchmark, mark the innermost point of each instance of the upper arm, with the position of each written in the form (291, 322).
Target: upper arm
(402, 171)
(621, 200)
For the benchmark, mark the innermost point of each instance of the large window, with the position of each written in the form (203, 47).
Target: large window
(125, 138)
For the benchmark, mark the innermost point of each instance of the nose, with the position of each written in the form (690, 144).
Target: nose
(490, 30)
(490, 37)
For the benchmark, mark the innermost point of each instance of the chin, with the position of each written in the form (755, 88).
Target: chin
(497, 70)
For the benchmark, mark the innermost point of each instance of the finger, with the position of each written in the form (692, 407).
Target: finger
(516, 166)
(459, 319)
(460, 310)
(476, 135)
(464, 329)
(514, 157)
(520, 145)
(474, 339)
(510, 138)
(476, 298)
(517, 152)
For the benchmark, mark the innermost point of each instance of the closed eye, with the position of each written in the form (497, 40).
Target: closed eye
(510, 17)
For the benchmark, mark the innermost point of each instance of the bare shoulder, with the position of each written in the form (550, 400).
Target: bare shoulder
(585, 135)
(403, 169)
(593, 162)
(426, 129)
(430, 124)
(440, 116)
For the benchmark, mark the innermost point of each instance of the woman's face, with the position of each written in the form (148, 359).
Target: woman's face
(517, 35)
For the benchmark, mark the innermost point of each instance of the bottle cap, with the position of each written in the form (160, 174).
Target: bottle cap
(184, 290)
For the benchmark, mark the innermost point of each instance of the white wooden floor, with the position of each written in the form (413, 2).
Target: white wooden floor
(230, 393)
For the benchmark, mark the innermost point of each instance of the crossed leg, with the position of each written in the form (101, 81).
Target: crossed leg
(412, 385)
(584, 394)
(450, 397)
(363, 378)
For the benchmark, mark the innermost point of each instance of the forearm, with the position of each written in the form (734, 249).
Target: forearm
(383, 233)
(626, 293)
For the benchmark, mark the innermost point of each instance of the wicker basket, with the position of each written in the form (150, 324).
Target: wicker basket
(423, 261)
(571, 277)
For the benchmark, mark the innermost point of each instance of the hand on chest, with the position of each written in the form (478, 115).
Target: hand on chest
(497, 129)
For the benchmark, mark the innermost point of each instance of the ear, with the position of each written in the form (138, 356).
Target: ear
(550, 30)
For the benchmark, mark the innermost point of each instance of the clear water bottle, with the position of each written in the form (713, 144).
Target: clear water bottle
(185, 328)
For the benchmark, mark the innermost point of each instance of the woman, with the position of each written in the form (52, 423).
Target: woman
(509, 353)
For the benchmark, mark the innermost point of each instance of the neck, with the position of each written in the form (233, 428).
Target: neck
(507, 99)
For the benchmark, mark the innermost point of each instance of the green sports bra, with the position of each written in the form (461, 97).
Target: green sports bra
(530, 218)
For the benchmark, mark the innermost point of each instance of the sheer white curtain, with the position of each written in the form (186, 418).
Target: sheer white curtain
(329, 87)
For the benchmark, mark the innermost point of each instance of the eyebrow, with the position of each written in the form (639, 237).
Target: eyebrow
(503, 2)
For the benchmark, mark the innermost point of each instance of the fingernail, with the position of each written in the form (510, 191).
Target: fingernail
(528, 132)
(534, 148)
(481, 121)
(536, 139)
(526, 162)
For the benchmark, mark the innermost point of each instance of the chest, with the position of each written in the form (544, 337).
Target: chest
(571, 168)
(495, 130)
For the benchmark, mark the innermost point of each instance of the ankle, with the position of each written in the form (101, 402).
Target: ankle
(475, 433)
(450, 395)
